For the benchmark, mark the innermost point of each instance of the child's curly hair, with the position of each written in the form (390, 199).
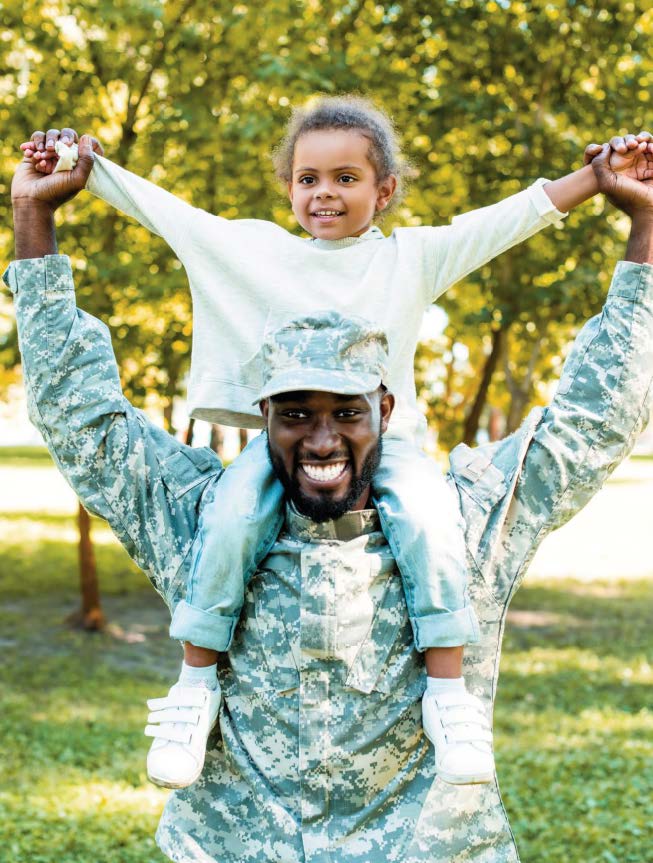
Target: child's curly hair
(346, 112)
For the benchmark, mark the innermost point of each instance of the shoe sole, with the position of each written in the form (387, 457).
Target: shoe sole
(164, 783)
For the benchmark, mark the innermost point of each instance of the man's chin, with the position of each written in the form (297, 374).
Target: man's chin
(319, 508)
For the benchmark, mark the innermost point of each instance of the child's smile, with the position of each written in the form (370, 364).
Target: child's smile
(334, 189)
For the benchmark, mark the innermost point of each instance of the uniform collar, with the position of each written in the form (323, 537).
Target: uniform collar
(347, 527)
(372, 233)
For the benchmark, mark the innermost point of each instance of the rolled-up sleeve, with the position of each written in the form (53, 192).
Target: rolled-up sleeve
(146, 484)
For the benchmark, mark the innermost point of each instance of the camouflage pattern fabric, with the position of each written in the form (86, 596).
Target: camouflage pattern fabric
(320, 754)
(324, 352)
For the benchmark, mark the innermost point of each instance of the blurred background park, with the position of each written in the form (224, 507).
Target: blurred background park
(487, 96)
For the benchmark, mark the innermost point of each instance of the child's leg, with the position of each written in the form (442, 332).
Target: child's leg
(422, 522)
(236, 530)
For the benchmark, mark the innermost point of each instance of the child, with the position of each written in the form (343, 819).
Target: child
(341, 164)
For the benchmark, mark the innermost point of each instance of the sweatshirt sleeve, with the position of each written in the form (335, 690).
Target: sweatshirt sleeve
(157, 210)
(146, 484)
(472, 239)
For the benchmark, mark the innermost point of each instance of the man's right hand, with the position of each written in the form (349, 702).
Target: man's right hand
(35, 188)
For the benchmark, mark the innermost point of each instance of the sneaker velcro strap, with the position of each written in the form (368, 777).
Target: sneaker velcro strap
(188, 715)
(469, 734)
(188, 696)
(169, 732)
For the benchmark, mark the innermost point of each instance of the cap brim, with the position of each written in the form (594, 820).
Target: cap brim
(320, 380)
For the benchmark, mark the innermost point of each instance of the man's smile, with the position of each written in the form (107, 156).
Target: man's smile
(326, 475)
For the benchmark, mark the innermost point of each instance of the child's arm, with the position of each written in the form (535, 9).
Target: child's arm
(474, 238)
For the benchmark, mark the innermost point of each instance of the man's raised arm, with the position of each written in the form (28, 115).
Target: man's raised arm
(604, 397)
(145, 483)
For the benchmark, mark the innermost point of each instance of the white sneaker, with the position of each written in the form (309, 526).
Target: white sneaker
(180, 723)
(457, 725)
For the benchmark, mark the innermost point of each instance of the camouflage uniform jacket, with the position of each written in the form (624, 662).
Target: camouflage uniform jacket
(320, 756)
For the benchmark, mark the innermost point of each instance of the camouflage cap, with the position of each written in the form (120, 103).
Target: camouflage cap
(325, 352)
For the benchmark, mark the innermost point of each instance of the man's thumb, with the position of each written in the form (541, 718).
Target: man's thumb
(85, 157)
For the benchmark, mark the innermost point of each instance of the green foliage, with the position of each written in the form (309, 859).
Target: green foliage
(486, 95)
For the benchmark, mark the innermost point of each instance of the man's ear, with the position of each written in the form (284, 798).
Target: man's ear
(387, 406)
(264, 407)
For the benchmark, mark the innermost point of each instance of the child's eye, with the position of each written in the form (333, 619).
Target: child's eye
(347, 179)
(306, 181)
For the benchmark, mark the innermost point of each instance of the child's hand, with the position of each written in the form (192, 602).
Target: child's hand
(630, 155)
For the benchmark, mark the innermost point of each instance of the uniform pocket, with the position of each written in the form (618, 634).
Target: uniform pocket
(369, 668)
(186, 468)
(283, 674)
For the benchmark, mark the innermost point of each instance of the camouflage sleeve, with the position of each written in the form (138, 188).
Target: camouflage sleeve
(140, 479)
(602, 403)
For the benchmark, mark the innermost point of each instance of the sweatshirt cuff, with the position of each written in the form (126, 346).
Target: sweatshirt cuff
(542, 203)
(50, 273)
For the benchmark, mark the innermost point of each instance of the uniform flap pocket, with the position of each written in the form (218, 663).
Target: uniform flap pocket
(479, 477)
(188, 467)
(379, 641)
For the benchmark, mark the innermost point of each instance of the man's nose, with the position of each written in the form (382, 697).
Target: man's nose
(322, 439)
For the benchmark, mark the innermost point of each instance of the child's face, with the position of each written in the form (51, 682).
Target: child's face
(334, 192)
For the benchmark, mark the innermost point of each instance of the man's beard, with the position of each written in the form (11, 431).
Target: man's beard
(320, 509)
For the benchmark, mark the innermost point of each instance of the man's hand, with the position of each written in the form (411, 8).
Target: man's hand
(32, 186)
(631, 156)
(35, 197)
(631, 189)
(632, 196)
(41, 148)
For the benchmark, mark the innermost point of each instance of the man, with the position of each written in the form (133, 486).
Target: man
(320, 755)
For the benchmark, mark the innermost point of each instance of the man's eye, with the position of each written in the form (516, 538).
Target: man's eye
(348, 414)
(294, 415)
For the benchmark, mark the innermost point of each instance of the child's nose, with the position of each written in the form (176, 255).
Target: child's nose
(324, 190)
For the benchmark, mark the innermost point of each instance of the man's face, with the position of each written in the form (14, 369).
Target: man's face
(325, 447)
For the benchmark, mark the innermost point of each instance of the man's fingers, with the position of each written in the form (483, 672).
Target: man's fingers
(590, 151)
(644, 136)
(84, 164)
(38, 139)
(631, 141)
(68, 136)
(51, 138)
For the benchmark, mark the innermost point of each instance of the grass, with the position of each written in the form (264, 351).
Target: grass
(24, 456)
(574, 718)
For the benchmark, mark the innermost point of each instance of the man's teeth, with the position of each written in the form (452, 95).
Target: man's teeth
(324, 473)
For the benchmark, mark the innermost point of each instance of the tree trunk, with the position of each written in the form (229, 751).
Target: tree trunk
(474, 415)
(520, 392)
(90, 616)
(242, 438)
